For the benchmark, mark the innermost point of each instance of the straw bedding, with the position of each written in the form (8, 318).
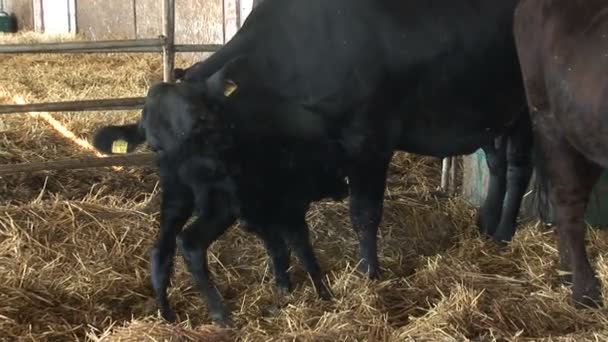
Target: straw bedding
(74, 246)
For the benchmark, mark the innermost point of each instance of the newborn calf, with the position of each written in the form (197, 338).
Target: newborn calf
(207, 166)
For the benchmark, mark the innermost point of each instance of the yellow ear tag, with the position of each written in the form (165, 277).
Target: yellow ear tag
(119, 146)
(229, 88)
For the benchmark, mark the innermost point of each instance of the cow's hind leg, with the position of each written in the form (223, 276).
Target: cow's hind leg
(571, 178)
(491, 209)
(297, 237)
(193, 243)
(519, 171)
(176, 208)
(367, 181)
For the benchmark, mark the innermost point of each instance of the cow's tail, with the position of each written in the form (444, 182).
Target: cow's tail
(540, 187)
(119, 139)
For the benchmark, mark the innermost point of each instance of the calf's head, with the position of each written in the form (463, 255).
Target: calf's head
(172, 114)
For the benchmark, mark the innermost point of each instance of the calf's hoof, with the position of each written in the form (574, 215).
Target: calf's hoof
(324, 292)
(284, 286)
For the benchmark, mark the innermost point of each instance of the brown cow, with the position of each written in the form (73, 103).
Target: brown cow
(563, 50)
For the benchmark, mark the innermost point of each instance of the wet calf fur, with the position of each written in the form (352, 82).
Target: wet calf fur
(224, 175)
(562, 47)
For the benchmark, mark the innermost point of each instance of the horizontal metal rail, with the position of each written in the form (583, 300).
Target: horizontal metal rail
(76, 106)
(105, 46)
(197, 47)
(135, 159)
(61, 47)
(156, 49)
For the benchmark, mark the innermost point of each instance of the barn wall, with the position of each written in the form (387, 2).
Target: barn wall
(196, 21)
(103, 19)
(23, 12)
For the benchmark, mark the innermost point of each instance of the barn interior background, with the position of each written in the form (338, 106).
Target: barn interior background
(74, 242)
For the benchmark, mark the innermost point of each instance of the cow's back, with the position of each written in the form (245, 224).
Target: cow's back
(313, 49)
(440, 67)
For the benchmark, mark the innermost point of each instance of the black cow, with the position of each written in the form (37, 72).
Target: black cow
(434, 77)
(563, 49)
(208, 166)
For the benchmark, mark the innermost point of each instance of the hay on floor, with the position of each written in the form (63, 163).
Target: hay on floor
(74, 246)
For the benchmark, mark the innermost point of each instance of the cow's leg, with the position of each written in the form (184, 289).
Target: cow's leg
(367, 181)
(572, 177)
(519, 171)
(193, 243)
(491, 209)
(298, 238)
(279, 256)
(176, 208)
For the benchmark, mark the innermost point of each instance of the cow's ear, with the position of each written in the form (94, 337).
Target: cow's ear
(220, 87)
(223, 84)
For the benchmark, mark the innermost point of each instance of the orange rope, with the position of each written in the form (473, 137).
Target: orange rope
(64, 131)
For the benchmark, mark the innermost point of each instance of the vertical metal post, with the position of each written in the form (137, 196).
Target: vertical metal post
(134, 7)
(452, 181)
(38, 16)
(231, 19)
(169, 35)
(445, 171)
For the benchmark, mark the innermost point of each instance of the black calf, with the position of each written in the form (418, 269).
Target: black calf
(206, 167)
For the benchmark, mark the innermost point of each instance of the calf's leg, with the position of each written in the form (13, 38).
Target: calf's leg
(193, 243)
(279, 256)
(297, 236)
(176, 208)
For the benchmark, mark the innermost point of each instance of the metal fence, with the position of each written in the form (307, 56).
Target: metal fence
(164, 44)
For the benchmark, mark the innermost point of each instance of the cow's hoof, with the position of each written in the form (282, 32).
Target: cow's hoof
(565, 277)
(588, 297)
(487, 223)
(372, 272)
(222, 319)
(500, 241)
(587, 302)
(168, 315)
